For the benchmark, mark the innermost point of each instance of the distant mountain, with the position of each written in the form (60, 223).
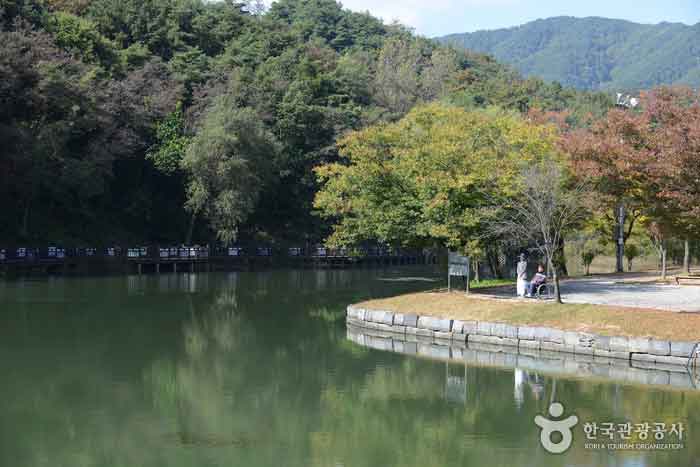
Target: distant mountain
(594, 53)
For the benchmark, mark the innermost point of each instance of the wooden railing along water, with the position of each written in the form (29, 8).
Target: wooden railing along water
(171, 258)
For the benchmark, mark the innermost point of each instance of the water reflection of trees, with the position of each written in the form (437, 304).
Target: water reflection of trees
(400, 416)
(242, 377)
(395, 412)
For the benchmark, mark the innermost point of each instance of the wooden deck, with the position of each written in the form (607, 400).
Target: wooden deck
(150, 260)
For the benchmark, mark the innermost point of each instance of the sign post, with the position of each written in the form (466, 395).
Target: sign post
(458, 266)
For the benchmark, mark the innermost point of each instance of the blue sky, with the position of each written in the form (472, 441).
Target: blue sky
(439, 17)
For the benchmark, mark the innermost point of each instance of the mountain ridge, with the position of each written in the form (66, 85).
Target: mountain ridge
(594, 53)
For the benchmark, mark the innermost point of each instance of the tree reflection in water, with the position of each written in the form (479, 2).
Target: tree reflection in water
(255, 370)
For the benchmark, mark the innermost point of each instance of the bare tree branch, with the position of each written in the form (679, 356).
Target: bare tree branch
(543, 210)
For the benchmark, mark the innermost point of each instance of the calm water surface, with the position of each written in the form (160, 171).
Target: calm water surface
(254, 369)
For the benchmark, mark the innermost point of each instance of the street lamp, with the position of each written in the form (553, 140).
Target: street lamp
(626, 101)
(623, 101)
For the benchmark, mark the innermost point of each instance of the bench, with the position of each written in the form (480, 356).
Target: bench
(687, 278)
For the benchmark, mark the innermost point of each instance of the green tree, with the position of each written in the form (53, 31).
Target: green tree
(191, 67)
(397, 82)
(424, 179)
(632, 252)
(81, 37)
(76, 7)
(51, 128)
(228, 162)
(310, 70)
(171, 143)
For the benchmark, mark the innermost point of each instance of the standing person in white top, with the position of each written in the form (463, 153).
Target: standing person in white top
(522, 276)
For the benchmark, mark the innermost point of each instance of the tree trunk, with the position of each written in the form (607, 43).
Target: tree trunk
(619, 245)
(476, 271)
(663, 262)
(555, 276)
(561, 257)
(628, 234)
(25, 219)
(686, 257)
(190, 229)
(492, 259)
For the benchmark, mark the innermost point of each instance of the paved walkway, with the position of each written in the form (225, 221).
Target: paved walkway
(613, 291)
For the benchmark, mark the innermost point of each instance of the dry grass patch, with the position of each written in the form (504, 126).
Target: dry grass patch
(604, 320)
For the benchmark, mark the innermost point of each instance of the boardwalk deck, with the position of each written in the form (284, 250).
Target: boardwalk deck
(25, 261)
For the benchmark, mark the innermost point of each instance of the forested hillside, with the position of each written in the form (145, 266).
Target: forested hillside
(171, 120)
(594, 53)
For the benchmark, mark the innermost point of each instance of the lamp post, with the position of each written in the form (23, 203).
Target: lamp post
(624, 101)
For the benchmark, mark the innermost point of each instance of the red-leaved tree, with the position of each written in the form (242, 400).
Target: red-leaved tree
(647, 159)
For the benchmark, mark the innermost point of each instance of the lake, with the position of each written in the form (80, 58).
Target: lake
(255, 369)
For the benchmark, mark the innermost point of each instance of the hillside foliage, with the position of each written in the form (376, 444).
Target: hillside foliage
(174, 120)
(594, 53)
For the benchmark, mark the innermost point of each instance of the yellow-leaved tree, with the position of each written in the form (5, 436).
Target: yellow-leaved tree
(430, 178)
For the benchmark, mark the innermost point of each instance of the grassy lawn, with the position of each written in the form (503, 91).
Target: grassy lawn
(487, 283)
(604, 320)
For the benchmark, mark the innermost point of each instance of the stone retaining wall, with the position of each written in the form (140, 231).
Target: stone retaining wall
(539, 361)
(646, 350)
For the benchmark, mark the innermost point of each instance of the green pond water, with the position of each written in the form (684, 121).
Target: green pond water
(255, 369)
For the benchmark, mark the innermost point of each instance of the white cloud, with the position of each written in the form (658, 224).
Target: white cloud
(435, 17)
(422, 15)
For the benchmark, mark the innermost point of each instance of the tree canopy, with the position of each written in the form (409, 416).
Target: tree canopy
(106, 107)
(647, 160)
(429, 178)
